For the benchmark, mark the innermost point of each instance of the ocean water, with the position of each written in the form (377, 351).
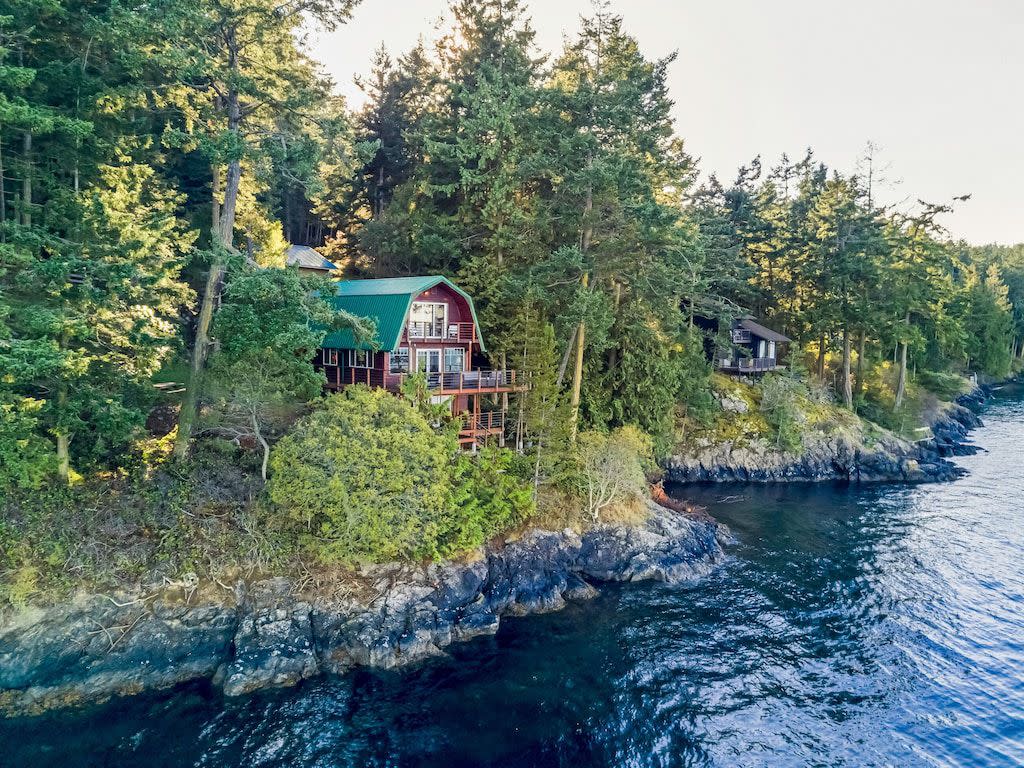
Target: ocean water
(879, 626)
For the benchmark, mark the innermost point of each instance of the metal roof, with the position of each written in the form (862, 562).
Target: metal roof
(304, 257)
(761, 332)
(386, 301)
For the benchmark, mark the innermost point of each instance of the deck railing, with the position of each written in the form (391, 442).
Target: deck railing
(483, 423)
(748, 364)
(462, 333)
(475, 380)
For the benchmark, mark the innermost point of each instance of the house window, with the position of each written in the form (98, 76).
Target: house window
(454, 359)
(360, 358)
(428, 360)
(330, 356)
(400, 360)
(427, 320)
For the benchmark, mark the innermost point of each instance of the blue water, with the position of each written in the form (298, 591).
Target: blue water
(865, 627)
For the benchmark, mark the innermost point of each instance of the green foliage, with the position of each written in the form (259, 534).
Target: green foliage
(612, 469)
(695, 380)
(780, 405)
(26, 459)
(367, 478)
(989, 323)
(947, 386)
(489, 498)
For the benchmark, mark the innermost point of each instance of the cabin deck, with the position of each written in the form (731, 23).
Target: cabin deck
(471, 382)
(748, 365)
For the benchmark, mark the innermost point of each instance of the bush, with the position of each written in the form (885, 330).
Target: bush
(26, 459)
(613, 468)
(489, 498)
(366, 478)
(947, 386)
(780, 405)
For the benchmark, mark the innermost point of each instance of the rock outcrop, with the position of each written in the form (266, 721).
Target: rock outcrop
(268, 634)
(851, 457)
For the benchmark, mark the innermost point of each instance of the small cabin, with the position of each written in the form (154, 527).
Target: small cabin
(424, 325)
(751, 348)
(755, 348)
(309, 261)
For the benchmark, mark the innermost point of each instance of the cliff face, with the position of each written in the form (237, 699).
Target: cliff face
(267, 633)
(852, 456)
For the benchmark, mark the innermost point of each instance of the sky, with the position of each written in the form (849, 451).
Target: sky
(935, 84)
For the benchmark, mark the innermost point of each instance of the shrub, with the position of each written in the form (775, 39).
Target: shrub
(26, 459)
(613, 468)
(366, 477)
(780, 405)
(948, 386)
(490, 497)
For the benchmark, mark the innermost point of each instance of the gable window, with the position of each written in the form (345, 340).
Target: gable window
(427, 320)
(360, 358)
(400, 360)
(330, 356)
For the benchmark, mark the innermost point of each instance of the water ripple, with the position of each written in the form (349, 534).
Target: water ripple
(850, 627)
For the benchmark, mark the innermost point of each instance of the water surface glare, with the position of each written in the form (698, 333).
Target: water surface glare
(851, 626)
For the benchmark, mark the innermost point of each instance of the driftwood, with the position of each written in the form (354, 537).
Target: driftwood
(659, 496)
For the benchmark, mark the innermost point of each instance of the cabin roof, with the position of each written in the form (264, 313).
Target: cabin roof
(756, 329)
(386, 301)
(304, 257)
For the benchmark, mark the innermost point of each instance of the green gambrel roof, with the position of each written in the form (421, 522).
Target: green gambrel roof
(386, 301)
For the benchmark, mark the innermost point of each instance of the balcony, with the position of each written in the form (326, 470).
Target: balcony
(475, 381)
(458, 333)
(740, 336)
(478, 427)
(744, 365)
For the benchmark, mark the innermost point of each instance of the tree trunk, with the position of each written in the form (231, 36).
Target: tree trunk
(847, 389)
(3, 194)
(821, 356)
(26, 182)
(577, 377)
(901, 383)
(263, 443)
(861, 343)
(564, 365)
(215, 199)
(613, 351)
(223, 221)
(63, 438)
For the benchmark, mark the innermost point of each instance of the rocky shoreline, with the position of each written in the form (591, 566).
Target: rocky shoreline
(849, 458)
(253, 635)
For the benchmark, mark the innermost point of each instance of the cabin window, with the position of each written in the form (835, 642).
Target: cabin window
(400, 360)
(454, 359)
(428, 360)
(360, 358)
(427, 320)
(762, 348)
(330, 356)
(771, 350)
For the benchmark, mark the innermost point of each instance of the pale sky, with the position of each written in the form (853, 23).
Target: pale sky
(936, 84)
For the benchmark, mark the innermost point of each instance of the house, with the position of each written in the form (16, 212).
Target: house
(428, 325)
(309, 261)
(753, 348)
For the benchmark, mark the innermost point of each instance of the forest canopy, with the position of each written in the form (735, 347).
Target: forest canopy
(154, 155)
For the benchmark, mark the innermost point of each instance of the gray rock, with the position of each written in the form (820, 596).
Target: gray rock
(265, 634)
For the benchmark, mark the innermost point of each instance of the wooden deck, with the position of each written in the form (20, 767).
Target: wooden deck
(747, 365)
(472, 382)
